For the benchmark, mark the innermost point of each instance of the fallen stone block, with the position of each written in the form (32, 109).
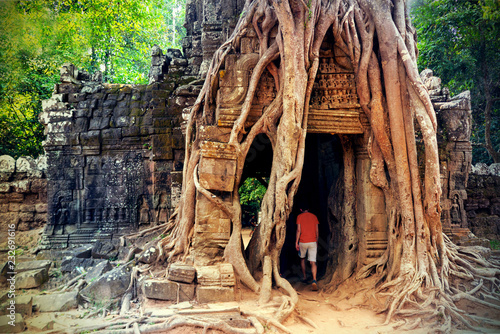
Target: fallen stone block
(70, 263)
(24, 305)
(12, 323)
(168, 290)
(180, 272)
(83, 252)
(33, 265)
(211, 294)
(98, 270)
(58, 302)
(31, 278)
(104, 251)
(41, 323)
(109, 286)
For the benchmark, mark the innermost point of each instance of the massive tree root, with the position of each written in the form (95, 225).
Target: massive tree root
(420, 268)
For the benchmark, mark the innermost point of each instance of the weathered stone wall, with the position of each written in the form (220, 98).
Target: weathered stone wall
(483, 201)
(114, 152)
(23, 193)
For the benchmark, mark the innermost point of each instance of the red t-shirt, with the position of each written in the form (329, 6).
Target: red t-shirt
(308, 222)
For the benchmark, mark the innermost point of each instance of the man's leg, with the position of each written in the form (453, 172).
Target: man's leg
(312, 251)
(303, 266)
(302, 254)
(314, 269)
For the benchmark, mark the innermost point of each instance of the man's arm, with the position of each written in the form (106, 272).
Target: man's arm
(297, 237)
(317, 232)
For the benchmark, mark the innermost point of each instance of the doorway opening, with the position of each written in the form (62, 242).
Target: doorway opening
(323, 163)
(253, 185)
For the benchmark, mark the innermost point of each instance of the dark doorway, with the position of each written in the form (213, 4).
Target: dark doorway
(322, 168)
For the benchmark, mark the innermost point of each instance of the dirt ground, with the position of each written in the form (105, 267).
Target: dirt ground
(327, 312)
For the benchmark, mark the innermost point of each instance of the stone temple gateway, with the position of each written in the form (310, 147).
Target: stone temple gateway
(115, 152)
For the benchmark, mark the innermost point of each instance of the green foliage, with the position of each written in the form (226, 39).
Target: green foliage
(459, 40)
(251, 195)
(495, 244)
(38, 36)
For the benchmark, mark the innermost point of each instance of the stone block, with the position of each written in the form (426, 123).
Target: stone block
(217, 166)
(12, 197)
(168, 290)
(31, 279)
(33, 265)
(103, 250)
(99, 123)
(4, 187)
(180, 272)
(15, 207)
(109, 286)
(162, 146)
(97, 271)
(211, 294)
(217, 275)
(27, 207)
(24, 305)
(12, 323)
(41, 323)
(21, 186)
(7, 164)
(59, 302)
(41, 207)
(110, 136)
(38, 186)
(26, 216)
(70, 263)
(90, 138)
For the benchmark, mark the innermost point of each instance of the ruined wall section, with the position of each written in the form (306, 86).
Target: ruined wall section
(23, 194)
(114, 152)
(483, 201)
(208, 25)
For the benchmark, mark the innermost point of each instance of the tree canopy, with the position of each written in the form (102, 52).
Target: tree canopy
(38, 36)
(459, 40)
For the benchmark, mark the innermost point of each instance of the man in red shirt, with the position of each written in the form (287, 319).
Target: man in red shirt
(307, 242)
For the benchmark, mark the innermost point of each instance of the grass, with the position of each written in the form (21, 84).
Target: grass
(495, 244)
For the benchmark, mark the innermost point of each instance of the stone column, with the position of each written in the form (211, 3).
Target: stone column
(371, 217)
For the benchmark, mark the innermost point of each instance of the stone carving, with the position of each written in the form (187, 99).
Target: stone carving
(163, 212)
(143, 206)
(334, 102)
(233, 88)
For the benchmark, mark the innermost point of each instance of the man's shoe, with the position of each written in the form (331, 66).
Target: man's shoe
(314, 286)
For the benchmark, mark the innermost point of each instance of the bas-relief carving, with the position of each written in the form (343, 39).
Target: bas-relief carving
(234, 83)
(334, 101)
